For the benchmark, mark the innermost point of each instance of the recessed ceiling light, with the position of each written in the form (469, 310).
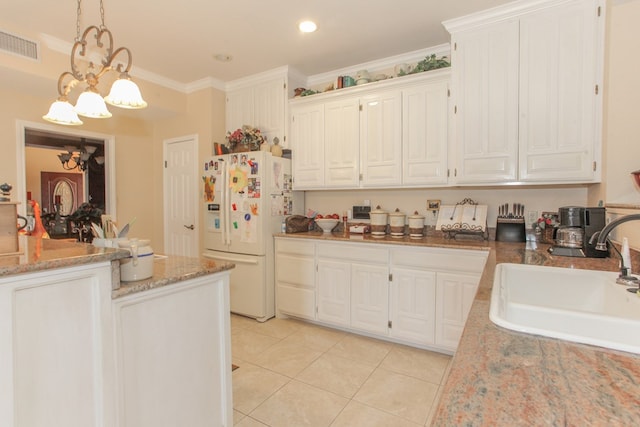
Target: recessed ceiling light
(308, 26)
(223, 57)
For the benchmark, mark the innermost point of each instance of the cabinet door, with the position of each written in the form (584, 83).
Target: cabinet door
(174, 355)
(485, 76)
(370, 297)
(57, 362)
(269, 104)
(559, 106)
(424, 128)
(454, 295)
(412, 305)
(307, 140)
(239, 109)
(342, 140)
(381, 139)
(295, 278)
(334, 292)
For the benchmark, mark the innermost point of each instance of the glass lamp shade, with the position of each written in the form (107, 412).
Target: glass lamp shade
(125, 94)
(90, 104)
(61, 112)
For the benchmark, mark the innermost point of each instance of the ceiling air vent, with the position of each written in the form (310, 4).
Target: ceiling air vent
(18, 45)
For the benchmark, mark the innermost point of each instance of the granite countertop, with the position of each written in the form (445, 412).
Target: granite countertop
(500, 377)
(434, 239)
(172, 269)
(37, 254)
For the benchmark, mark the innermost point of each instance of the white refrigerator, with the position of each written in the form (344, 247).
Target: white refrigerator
(246, 198)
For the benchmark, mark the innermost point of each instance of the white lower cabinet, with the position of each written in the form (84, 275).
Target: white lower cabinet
(334, 279)
(296, 277)
(415, 295)
(370, 297)
(56, 358)
(412, 299)
(454, 296)
(173, 364)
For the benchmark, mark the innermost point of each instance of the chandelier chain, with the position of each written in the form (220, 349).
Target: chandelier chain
(102, 15)
(78, 13)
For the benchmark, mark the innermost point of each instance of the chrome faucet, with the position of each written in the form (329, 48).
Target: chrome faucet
(601, 245)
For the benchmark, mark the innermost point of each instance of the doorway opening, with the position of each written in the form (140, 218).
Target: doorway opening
(38, 145)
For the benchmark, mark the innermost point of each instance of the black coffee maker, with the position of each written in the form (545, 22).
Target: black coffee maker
(577, 226)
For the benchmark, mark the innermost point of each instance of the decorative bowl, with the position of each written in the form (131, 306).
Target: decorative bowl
(327, 224)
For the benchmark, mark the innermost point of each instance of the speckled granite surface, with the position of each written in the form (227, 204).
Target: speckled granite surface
(170, 270)
(38, 254)
(504, 378)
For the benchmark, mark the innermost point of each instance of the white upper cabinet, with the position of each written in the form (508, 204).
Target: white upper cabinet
(307, 141)
(526, 89)
(260, 101)
(485, 88)
(559, 106)
(388, 134)
(341, 143)
(381, 139)
(425, 133)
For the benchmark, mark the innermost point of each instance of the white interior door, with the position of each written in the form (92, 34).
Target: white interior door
(181, 202)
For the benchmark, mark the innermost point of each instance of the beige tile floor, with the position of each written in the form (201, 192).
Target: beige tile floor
(293, 374)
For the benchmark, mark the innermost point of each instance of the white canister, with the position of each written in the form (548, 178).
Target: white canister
(416, 225)
(139, 264)
(396, 223)
(378, 222)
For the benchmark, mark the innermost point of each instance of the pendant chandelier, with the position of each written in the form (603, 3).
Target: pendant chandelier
(124, 92)
(79, 158)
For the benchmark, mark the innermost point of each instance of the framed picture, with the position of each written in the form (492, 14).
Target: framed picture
(433, 205)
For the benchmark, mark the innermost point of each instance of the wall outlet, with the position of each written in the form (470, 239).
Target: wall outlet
(532, 218)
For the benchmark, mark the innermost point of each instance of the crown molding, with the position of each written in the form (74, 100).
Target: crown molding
(504, 12)
(380, 64)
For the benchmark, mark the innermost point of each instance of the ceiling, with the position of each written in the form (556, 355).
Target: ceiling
(177, 40)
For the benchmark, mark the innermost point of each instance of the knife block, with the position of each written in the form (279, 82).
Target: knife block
(511, 230)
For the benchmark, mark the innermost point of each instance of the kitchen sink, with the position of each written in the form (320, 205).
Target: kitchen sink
(584, 306)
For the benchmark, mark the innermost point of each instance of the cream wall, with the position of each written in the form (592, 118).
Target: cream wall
(138, 146)
(622, 88)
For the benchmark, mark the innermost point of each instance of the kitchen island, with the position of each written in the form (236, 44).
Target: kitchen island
(500, 377)
(80, 348)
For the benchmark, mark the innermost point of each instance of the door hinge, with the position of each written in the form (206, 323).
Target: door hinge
(390, 324)
(597, 89)
(449, 93)
(284, 86)
(599, 10)
(360, 107)
(165, 163)
(391, 277)
(284, 138)
(595, 165)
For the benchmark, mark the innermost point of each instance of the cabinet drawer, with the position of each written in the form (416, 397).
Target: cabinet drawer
(354, 252)
(295, 270)
(296, 301)
(295, 246)
(440, 259)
